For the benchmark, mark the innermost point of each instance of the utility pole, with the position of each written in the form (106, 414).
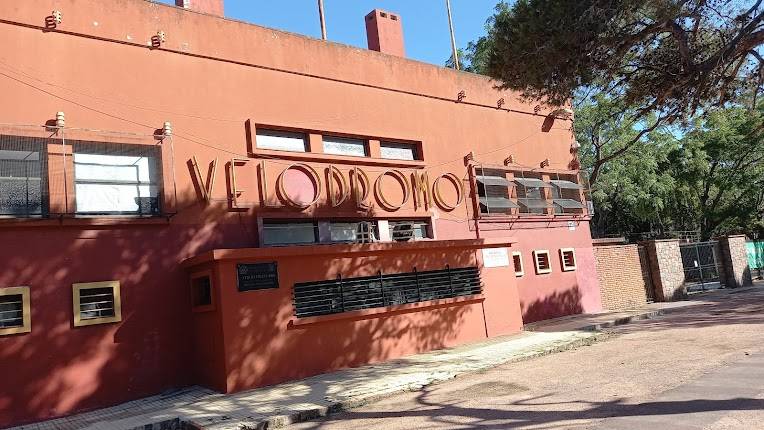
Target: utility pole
(321, 17)
(453, 39)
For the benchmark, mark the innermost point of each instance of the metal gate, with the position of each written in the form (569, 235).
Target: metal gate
(644, 263)
(701, 270)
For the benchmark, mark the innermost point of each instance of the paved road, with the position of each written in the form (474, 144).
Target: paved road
(698, 368)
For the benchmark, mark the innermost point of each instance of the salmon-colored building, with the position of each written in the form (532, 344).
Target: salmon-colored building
(188, 199)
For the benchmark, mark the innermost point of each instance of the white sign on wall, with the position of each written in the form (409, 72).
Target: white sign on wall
(495, 257)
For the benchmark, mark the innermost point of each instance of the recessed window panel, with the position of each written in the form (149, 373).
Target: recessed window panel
(289, 233)
(23, 177)
(280, 140)
(344, 146)
(398, 151)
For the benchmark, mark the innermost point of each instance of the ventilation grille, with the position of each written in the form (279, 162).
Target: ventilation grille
(96, 303)
(352, 294)
(11, 311)
(542, 261)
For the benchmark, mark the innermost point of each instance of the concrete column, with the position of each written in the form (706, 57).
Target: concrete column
(666, 269)
(735, 259)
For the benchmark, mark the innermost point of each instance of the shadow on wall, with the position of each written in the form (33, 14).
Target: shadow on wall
(266, 348)
(558, 304)
(59, 369)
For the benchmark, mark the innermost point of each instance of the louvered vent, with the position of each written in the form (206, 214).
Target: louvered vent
(352, 294)
(96, 303)
(11, 311)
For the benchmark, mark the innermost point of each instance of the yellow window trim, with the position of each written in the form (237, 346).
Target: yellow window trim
(539, 270)
(76, 288)
(522, 265)
(26, 309)
(566, 267)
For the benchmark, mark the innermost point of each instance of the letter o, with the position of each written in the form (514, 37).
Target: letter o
(282, 190)
(439, 197)
(404, 185)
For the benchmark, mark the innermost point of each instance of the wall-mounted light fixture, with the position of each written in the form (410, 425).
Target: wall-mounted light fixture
(158, 39)
(167, 129)
(500, 103)
(461, 96)
(60, 120)
(57, 16)
(509, 160)
(545, 163)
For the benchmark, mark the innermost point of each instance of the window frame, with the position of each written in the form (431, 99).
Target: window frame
(26, 310)
(566, 267)
(152, 153)
(275, 132)
(76, 290)
(539, 270)
(207, 307)
(521, 272)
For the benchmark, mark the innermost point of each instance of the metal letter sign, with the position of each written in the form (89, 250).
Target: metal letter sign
(257, 276)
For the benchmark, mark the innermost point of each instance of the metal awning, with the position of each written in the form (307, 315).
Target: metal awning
(498, 202)
(532, 183)
(493, 180)
(568, 204)
(534, 203)
(566, 185)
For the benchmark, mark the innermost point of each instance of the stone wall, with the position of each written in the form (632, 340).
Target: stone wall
(666, 269)
(620, 276)
(737, 273)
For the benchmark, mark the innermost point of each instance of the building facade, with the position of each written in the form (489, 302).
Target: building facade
(188, 199)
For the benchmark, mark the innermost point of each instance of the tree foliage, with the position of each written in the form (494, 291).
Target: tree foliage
(672, 56)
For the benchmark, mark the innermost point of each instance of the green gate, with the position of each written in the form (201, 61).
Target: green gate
(755, 252)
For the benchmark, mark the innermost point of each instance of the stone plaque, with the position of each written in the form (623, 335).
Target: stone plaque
(257, 276)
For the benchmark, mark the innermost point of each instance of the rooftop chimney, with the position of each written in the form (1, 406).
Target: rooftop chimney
(212, 7)
(384, 32)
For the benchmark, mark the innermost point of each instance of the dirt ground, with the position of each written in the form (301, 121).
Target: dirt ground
(579, 389)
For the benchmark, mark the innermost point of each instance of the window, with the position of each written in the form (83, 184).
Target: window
(530, 195)
(353, 232)
(568, 259)
(517, 261)
(344, 146)
(201, 292)
(280, 140)
(543, 262)
(493, 192)
(566, 196)
(352, 294)
(398, 151)
(116, 180)
(96, 303)
(15, 311)
(403, 231)
(23, 177)
(289, 233)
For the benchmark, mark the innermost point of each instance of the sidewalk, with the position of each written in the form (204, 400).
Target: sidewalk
(280, 405)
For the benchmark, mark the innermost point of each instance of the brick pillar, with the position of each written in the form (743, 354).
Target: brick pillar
(735, 260)
(666, 269)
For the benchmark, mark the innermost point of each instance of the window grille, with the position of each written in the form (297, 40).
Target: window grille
(543, 262)
(352, 294)
(23, 177)
(113, 179)
(96, 303)
(517, 261)
(568, 259)
(15, 311)
(566, 196)
(530, 195)
(11, 311)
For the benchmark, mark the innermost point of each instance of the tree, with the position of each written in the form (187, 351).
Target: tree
(671, 56)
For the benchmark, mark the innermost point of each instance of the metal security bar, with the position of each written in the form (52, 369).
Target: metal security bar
(11, 311)
(352, 294)
(96, 303)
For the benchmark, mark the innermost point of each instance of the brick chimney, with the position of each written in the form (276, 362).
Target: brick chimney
(212, 7)
(384, 32)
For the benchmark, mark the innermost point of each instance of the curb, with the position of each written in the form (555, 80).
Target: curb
(280, 421)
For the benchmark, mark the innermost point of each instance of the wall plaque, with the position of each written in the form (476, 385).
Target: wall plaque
(257, 276)
(495, 257)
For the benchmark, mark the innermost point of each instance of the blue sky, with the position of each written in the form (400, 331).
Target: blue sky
(425, 23)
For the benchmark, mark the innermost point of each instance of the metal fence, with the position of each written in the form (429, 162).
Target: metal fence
(701, 268)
